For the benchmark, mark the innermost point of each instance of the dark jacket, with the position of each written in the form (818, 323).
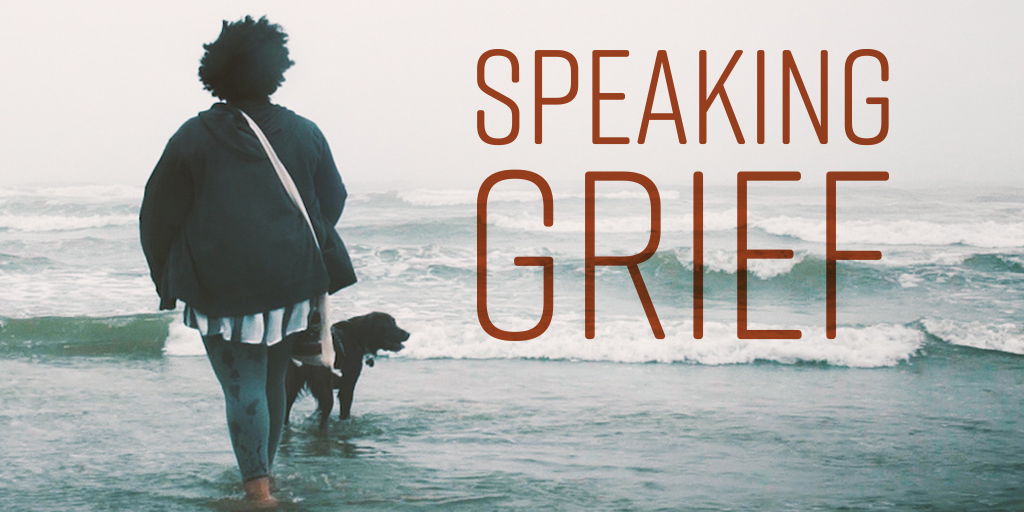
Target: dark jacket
(217, 227)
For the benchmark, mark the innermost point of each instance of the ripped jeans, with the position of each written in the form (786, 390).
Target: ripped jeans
(252, 378)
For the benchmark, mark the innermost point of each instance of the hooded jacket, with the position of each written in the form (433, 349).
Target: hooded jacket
(218, 229)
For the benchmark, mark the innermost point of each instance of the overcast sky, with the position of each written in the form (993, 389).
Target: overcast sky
(93, 90)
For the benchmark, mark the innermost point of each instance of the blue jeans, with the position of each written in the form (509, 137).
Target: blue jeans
(252, 377)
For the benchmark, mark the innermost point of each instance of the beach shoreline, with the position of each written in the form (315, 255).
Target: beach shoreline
(942, 432)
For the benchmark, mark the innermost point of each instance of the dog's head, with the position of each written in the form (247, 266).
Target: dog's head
(368, 334)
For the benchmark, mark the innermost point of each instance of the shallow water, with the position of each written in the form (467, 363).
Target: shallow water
(71, 271)
(104, 405)
(941, 432)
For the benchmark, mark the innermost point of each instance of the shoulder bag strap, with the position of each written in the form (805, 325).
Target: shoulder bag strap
(326, 344)
(282, 174)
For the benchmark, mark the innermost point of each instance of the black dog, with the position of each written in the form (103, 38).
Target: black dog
(354, 339)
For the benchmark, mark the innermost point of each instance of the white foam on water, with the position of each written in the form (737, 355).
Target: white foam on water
(717, 221)
(183, 340)
(416, 260)
(631, 341)
(64, 222)
(80, 192)
(85, 292)
(1004, 337)
(452, 197)
(721, 260)
(902, 232)
(398, 261)
(910, 280)
(665, 195)
(602, 225)
(532, 222)
(939, 258)
(459, 197)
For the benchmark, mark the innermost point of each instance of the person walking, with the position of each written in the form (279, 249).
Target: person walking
(221, 234)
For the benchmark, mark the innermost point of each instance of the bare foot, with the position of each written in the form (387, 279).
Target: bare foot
(257, 493)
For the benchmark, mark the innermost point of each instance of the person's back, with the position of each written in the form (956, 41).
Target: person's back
(241, 214)
(222, 235)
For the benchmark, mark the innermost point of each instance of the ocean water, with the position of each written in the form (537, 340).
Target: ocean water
(918, 404)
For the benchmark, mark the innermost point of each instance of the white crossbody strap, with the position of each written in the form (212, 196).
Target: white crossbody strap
(282, 174)
(326, 357)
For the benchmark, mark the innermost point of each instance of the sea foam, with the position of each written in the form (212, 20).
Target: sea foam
(64, 222)
(1004, 337)
(629, 341)
(987, 234)
(183, 340)
(451, 197)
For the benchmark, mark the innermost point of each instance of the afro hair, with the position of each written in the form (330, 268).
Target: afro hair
(246, 62)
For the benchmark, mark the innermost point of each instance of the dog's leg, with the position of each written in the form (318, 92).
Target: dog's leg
(320, 387)
(347, 386)
(293, 381)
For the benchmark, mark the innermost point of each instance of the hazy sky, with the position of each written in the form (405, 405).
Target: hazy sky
(93, 90)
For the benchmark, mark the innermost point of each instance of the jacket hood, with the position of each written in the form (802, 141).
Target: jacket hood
(227, 125)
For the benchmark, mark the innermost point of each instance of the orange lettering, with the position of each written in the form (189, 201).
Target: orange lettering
(820, 126)
(831, 254)
(514, 132)
(536, 261)
(883, 102)
(717, 92)
(539, 99)
(630, 262)
(743, 254)
(661, 63)
(599, 96)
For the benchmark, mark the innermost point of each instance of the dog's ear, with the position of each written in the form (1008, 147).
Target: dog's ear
(379, 321)
(360, 323)
(383, 325)
(358, 332)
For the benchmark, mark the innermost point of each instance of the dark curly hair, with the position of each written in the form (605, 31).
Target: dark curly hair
(246, 62)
